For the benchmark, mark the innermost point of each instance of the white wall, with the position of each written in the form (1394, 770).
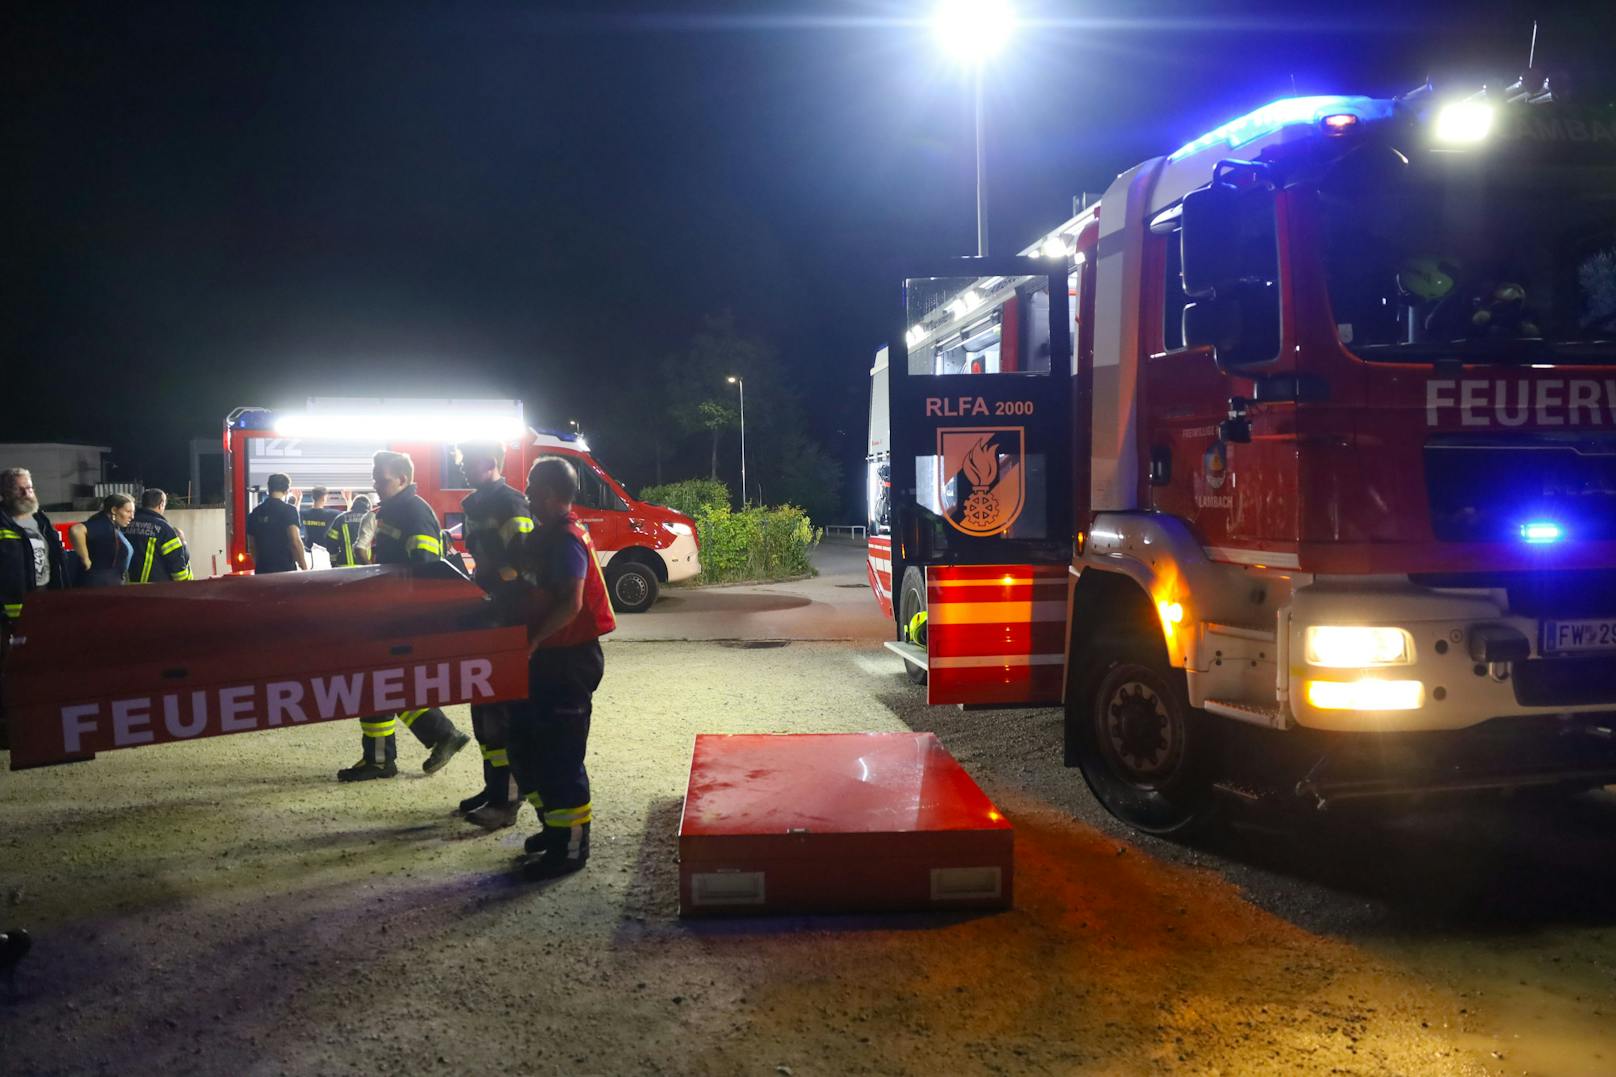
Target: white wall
(60, 472)
(204, 536)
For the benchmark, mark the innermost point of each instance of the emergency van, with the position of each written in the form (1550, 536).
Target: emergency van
(641, 546)
(1288, 466)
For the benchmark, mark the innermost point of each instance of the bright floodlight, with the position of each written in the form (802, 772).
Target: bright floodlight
(399, 425)
(1464, 121)
(974, 30)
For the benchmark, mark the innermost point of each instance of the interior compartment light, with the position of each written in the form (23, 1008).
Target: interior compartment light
(965, 303)
(1054, 247)
(1367, 694)
(1464, 122)
(1541, 532)
(1358, 646)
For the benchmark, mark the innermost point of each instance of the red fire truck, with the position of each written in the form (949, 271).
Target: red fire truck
(1289, 467)
(641, 546)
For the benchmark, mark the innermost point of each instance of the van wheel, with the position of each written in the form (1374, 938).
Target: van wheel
(1144, 751)
(912, 600)
(632, 586)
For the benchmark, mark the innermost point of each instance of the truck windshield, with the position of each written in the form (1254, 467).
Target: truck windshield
(1458, 259)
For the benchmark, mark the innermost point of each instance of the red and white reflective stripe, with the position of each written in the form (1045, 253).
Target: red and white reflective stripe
(879, 568)
(996, 633)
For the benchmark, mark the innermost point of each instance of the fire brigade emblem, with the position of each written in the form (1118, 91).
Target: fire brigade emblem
(1215, 465)
(982, 483)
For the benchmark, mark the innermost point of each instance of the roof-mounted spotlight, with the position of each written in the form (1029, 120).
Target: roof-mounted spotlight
(1464, 122)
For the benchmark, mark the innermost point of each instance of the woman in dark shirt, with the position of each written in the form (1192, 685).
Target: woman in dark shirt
(103, 553)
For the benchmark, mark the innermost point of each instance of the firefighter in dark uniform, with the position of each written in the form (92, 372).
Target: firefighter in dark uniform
(341, 538)
(497, 517)
(160, 552)
(31, 559)
(407, 532)
(567, 610)
(317, 518)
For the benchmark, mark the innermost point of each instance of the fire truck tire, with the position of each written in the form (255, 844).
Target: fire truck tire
(912, 600)
(632, 586)
(1145, 752)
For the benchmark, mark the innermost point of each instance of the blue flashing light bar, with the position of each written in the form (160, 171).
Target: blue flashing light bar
(1542, 532)
(1286, 112)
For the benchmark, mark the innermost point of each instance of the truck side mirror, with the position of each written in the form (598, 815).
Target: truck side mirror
(1209, 239)
(1240, 324)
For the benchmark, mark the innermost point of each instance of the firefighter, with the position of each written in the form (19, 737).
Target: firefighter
(31, 553)
(567, 611)
(159, 549)
(274, 532)
(342, 538)
(496, 518)
(317, 518)
(31, 559)
(407, 533)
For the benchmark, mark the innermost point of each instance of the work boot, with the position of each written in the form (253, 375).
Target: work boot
(364, 771)
(473, 802)
(493, 816)
(445, 750)
(564, 850)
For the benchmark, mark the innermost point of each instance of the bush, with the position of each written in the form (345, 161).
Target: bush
(756, 543)
(691, 497)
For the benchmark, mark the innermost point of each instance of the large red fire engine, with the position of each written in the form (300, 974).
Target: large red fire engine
(641, 546)
(1289, 466)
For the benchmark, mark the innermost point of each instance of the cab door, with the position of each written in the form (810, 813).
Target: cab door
(981, 402)
(604, 514)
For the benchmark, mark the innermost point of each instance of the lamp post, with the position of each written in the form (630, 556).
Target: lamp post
(972, 31)
(740, 383)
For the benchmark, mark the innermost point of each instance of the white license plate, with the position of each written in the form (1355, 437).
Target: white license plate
(1576, 637)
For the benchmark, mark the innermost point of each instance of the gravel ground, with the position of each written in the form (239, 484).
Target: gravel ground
(225, 907)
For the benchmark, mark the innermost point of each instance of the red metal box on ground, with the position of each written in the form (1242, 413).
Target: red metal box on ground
(837, 822)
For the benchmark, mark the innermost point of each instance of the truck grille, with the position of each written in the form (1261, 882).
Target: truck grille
(1482, 489)
(1544, 594)
(1564, 682)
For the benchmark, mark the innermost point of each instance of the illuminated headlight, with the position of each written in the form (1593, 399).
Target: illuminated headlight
(1358, 647)
(679, 529)
(1367, 694)
(1464, 121)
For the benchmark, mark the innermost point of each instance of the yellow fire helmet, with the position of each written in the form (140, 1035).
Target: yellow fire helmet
(1426, 278)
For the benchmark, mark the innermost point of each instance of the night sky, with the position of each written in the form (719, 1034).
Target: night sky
(220, 204)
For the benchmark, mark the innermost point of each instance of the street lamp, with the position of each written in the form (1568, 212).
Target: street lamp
(740, 383)
(973, 31)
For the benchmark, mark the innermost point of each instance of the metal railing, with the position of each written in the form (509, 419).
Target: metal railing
(853, 531)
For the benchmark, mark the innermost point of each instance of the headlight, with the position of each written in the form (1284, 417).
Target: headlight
(679, 529)
(1358, 647)
(1367, 694)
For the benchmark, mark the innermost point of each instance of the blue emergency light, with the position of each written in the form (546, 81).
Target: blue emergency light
(1288, 111)
(1541, 532)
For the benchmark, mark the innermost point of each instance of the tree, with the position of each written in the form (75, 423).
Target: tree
(716, 417)
(699, 399)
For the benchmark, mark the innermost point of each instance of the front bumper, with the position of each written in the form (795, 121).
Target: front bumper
(681, 557)
(1474, 659)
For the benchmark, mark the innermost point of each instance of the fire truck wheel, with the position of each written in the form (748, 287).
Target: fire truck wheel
(1144, 751)
(912, 600)
(632, 585)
